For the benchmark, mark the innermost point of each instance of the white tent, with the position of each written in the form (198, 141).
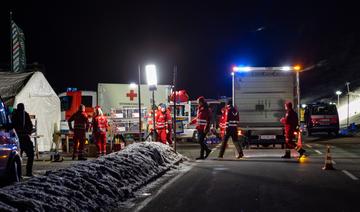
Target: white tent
(39, 99)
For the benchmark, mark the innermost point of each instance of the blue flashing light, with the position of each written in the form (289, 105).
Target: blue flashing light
(241, 69)
(71, 89)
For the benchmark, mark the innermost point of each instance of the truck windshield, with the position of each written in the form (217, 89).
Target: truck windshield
(65, 102)
(324, 110)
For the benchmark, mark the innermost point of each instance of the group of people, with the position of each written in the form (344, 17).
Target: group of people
(228, 128)
(81, 126)
(163, 124)
(229, 123)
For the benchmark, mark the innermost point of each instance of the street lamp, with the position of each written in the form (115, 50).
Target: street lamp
(338, 93)
(297, 69)
(152, 83)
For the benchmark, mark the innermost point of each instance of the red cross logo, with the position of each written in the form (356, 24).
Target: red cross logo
(131, 95)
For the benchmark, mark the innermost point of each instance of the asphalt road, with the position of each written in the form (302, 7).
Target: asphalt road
(265, 182)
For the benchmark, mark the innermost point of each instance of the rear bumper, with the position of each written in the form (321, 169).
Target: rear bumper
(254, 140)
(324, 128)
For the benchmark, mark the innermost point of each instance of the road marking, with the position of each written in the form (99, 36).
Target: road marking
(317, 151)
(308, 145)
(333, 161)
(214, 149)
(350, 175)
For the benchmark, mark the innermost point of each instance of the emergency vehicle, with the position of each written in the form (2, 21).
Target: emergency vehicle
(260, 93)
(118, 101)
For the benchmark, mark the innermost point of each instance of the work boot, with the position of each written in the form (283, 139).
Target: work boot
(301, 152)
(287, 154)
(207, 153)
(73, 157)
(200, 158)
(240, 155)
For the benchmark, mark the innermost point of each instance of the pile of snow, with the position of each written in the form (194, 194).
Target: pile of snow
(97, 185)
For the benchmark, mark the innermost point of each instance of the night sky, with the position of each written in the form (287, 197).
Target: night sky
(82, 43)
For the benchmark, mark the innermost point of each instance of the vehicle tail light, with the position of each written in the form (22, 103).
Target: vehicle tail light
(334, 121)
(314, 121)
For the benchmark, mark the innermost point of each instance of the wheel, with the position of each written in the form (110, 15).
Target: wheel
(14, 171)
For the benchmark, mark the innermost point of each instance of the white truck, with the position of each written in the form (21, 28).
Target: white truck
(259, 93)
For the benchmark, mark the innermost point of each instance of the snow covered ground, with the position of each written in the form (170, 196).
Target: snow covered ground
(99, 185)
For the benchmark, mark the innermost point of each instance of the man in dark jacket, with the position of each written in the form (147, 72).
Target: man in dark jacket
(81, 125)
(24, 127)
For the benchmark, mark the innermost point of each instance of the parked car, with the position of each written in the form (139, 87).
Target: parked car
(321, 117)
(10, 160)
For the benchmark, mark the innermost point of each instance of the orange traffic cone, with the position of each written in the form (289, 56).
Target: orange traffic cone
(328, 161)
(299, 141)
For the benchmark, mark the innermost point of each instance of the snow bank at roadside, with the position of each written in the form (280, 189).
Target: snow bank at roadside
(97, 185)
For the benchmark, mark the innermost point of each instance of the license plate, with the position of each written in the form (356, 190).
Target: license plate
(267, 137)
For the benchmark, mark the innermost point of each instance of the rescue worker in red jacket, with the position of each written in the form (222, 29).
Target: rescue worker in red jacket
(161, 121)
(81, 125)
(202, 119)
(232, 121)
(290, 122)
(100, 127)
(169, 126)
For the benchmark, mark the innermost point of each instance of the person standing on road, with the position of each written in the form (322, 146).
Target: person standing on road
(202, 119)
(100, 127)
(290, 122)
(161, 120)
(81, 125)
(231, 116)
(24, 128)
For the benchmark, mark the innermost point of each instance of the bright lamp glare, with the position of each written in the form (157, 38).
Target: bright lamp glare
(286, 68)
(133, 85)
(338, 92)
(303, 105)
(151, 75)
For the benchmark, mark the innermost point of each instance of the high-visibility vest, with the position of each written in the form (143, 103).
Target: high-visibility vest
(202, 118)
(101, 124)
(232, 117)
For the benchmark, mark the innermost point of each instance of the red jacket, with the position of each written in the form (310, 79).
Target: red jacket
(81, 122)
(290, 121)
(100, 124)
(202, 119)
(162, 120)
(232, 117)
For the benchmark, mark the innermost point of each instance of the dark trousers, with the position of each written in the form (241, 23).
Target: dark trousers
(234, 136)
(203, 146)
(27, 146)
